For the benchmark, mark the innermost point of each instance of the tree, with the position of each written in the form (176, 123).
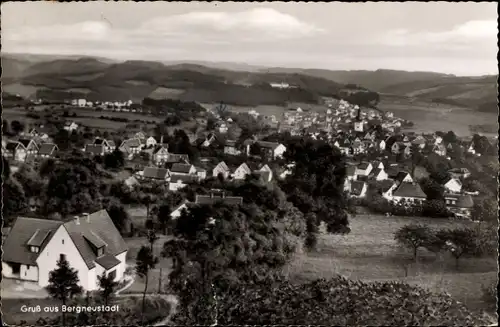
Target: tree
(114, 159)
(432, 189)
(312, 231)
(211, 124)
(152, 238)
(450, 137)
(14, 200)
(414, 236)
(63, 284)
(255, 149)
(147, 200)
(164, 217)
(107, 286)
(460, 242)
(5, 169)
(119, 216)
(16, 127)
(485, 210)
(145, 261)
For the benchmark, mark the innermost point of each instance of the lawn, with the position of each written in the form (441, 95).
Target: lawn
(370, 253)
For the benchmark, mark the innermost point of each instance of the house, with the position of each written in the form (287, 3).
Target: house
(178, 181)
(471, 148)
(459, 173)
(160, 154)
(364, 169)
(176, 213)
(131, 146)
(378, 174)
(212, 199)
(183, 169)
(15, 150)
(177, 158)
(358, 189)
(241, 172)
(439, 149)
(154, 173)
(409, 192)
(109, 146)
(272, 149)
(230, 148)
(221, 169)
(90, 243)
(403, 177)
(131, 182)
(265, 173)
(378, 164)
(47, 150)
(70, 126)
(151, 141)
(453, 185)
(201, 172)
(344, 145)
(207, 141)
(397, 147)
(460, 205)
(419, 142)
(96, 150)
(381, 145)
(370, 136)
(30, 146)
(351, 173)
(140, 135)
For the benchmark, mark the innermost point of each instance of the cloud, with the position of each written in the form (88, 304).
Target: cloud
(258, 24)
(460, 36)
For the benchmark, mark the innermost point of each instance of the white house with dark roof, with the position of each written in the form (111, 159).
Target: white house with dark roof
(160, 154)
(364, 169)
(265, 172)
(178, 181)
(410, 192)
(458, 204)
(90, 243)
(95, 150)
(183, 169)
(273, 149)
(30, 146)
(357, 189)
(131, 146)
(47, 150)
(108, 145)
(154, 174)
(15, 150)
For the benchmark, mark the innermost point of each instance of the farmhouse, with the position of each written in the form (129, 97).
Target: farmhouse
(96, 150)
(90, 243)
(131, 146)
(364, 169)
(409, 192)
(160, 154)
(271, 149)
(178, 181)
(183, 169)
(358, 189)
(154, 173)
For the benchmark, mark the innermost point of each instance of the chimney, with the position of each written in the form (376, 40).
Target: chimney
(87, 216)
(161, 139)
(77, 220)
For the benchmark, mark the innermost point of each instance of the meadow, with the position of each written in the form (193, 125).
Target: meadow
(369, 253)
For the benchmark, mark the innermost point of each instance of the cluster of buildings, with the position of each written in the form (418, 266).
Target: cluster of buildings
(106, 105)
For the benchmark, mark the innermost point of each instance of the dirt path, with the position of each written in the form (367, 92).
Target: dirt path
(172, 299)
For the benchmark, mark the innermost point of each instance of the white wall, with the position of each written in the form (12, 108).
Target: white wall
(6, 270)
(278, 152)
(29, 272)
(120, 269)
(240, 173)
(47, 260)
(177, 213)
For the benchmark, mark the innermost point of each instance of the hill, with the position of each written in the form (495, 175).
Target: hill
(96, 80)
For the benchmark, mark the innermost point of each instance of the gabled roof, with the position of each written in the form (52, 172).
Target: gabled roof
(184, 179)
(97, 225)
(409, 190)
(15, 247)
(375, 172)
(266, 175)
(364, 165)
(162, 147)
(463, 201)
(12, 145)
(268, 145)
(107, 261)
(175, 157)
(401, 176)
(155, 173)
(245, 167)
(47, 148)
(26, 142)
(212, 199)
(132, 143)
(181, 168)
(222, 165)
(95, 149)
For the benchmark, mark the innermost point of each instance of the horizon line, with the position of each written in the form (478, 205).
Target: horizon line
(259, 66)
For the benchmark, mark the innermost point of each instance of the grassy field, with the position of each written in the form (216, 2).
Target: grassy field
(438, 117)
(370, 253)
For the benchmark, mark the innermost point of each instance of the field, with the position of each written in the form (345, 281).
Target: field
(439, 117)
(370, 253)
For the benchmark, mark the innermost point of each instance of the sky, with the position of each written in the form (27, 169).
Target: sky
(448, 37)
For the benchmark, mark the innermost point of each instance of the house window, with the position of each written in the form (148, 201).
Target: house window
(113, 274)
(100, 251)
(62, 257)
(34, 249)
(62, 241)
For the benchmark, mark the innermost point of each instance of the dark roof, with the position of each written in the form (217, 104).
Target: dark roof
(94, 239)
(351, 171)
(463, 201)
(175, 178)
(11, 146)
(211, 199)
(230, 143)
(401, 176)
(160, 147)
(25, 142)
(107, 261)
(98, 141)
(268, 145)
(47, 148)
(155, 172)
(363, 165)
(180, 168)
(357, 187)
(38, 237)
(376, 171)
(409, 190)
(95, 149)
(132, 143)
(386, 185)
(15, 247)
(97, 225)
(174, 157)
